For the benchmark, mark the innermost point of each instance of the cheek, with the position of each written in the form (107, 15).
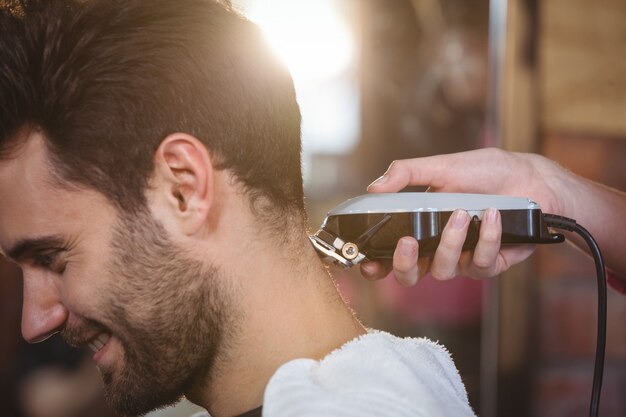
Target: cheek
(84, 290)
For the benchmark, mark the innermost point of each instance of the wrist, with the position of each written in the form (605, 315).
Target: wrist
(547, 184)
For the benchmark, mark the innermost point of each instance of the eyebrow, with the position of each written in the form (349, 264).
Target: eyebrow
(27, 247)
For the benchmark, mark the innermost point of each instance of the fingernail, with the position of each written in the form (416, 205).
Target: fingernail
(378, 181)
(459, 219)
(406, 248)
(490, 216)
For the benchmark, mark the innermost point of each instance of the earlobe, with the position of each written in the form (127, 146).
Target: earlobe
(183, 180)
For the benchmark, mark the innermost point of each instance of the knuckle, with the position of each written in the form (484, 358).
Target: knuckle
(397, 167)
(490, 235)
(405, 256)
(440, 274)
(483, 262)
(407, 278)
(392, 166)
(451, 243)
(495, 153)
(403, 265)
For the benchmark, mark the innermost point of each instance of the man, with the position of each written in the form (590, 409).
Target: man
(152, 194)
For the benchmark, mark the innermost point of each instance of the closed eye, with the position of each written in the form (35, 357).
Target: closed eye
(41, 252)
(49, 259)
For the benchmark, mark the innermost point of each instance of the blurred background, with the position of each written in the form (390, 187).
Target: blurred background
(379, 80)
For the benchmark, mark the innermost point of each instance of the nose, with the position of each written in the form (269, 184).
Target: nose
(43, 314)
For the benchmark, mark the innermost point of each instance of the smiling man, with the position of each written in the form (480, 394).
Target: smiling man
(150, 190)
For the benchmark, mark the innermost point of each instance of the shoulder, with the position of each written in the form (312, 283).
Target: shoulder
(375, 374)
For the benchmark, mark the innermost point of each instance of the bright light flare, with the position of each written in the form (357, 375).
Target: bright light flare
(315, 42)
(309, 36)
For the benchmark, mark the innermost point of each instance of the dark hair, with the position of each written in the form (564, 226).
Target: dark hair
(106, 81)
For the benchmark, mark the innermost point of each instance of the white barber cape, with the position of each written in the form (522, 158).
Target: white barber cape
(377, 374)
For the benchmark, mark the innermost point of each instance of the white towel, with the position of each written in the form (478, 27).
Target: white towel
(376, 374)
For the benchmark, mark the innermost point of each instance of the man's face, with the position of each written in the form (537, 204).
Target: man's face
(154, 317)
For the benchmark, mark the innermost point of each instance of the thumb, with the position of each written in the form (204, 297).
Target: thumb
(405, 172)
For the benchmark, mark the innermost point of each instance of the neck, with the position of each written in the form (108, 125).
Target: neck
(291, 310)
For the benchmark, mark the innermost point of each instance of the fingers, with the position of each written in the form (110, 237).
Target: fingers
(484, 260)
(468, 172)
(405, 264)
(374, 270)
(401, 173)
(488, 258)
(405, 261)
(394, 179)
(445, 262)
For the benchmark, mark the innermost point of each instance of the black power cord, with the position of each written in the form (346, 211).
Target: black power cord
(564, 223)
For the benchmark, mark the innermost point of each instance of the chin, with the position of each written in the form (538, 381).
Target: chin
(131, 394)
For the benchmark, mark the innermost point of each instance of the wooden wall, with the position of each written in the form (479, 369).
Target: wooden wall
(583, 67)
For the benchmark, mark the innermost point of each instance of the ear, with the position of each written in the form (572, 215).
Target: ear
(182, 183)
